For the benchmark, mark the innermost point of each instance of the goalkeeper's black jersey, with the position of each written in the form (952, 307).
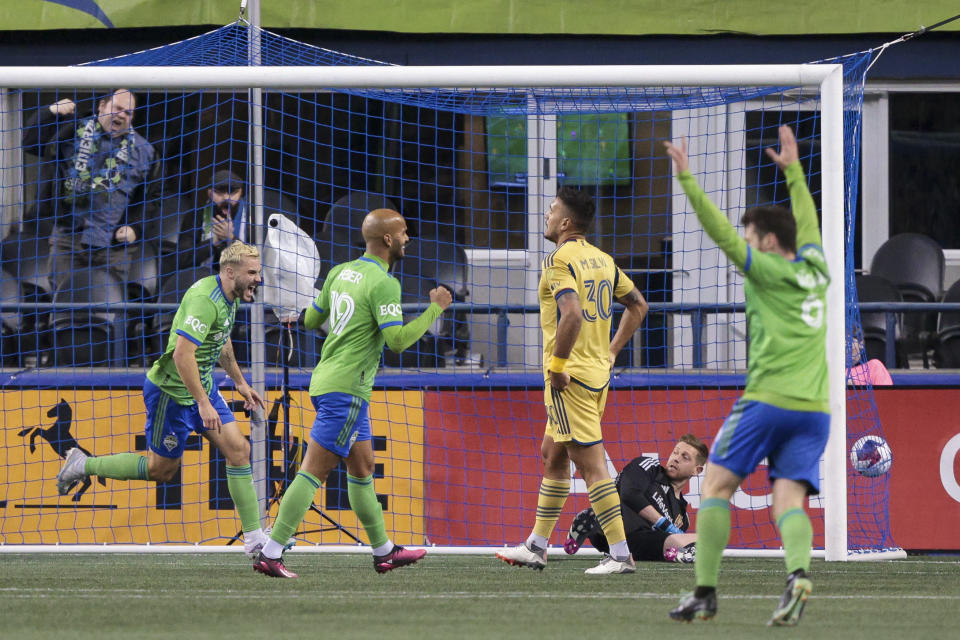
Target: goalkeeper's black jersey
(643, 482)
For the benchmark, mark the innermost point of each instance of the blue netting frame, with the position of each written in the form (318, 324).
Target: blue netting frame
(231, 46)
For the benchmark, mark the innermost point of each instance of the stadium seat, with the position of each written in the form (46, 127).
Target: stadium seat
(143, 275)
(429, 263)
(27, 256)
(871, 288)
(915, 264)
(333, 253)
(340, 239)
(172, 289)
(344, 219)
(9, 319)
(946, 344)
(275, 201)
(143, 285)
(85, 337)
(303, 346)
(167, 232)
(306, 344)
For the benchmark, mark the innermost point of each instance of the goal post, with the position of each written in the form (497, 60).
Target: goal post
(537, 94)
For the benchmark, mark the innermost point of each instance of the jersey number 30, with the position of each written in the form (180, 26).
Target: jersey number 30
(341, 310)
(600, 294)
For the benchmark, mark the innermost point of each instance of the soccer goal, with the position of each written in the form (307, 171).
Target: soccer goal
(472, 157)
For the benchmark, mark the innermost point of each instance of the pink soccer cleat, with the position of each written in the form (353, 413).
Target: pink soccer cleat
(273, 568)
(398, 557)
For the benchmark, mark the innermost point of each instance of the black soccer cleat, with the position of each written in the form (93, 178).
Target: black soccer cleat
(692, 607)
(582, 526)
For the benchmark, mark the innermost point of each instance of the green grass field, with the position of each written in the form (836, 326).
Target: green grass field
(74, 596)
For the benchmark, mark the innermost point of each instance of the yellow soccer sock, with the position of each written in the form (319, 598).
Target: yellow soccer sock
(606, 504)
(553, 495)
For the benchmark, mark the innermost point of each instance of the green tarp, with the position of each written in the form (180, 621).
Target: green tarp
(602, 17)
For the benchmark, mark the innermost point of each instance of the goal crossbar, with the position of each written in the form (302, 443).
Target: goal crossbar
(355, 77)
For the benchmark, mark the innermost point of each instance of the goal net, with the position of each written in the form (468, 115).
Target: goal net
(471, 157)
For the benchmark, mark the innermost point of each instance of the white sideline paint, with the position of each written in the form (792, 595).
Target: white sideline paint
(558, 552)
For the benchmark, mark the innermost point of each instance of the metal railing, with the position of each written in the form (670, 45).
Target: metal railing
(697, 313)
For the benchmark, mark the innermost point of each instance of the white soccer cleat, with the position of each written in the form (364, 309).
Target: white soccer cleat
(72, 471)
(524, 556)
(609, 565)
(254, 544)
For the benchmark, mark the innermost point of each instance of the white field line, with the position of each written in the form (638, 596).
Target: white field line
(41, 592)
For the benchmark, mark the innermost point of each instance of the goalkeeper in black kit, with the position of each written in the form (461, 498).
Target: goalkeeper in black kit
(653, 507)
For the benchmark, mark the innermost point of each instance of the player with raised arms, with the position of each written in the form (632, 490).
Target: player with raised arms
(362, 301)
(783, 414)
(181, 398)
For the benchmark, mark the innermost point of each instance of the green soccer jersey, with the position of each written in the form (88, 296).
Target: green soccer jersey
(362, 302)
(205, 318)
(786, 302)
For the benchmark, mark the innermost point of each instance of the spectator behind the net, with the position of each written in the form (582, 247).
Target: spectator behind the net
(102, 166)
(219, 221)
(865, 370)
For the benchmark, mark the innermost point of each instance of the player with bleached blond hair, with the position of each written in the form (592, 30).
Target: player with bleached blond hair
(181, 398)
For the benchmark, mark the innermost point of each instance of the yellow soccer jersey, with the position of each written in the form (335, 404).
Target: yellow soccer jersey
(579, 266)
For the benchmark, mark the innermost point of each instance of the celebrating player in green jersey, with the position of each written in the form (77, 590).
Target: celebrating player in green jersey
(783, 415)
(362, 302)
(181, 398)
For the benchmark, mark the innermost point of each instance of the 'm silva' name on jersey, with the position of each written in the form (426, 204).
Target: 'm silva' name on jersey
(593, 262)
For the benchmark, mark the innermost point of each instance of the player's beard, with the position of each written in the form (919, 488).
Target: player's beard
(550, 235)
(240, 291)
(397, 252)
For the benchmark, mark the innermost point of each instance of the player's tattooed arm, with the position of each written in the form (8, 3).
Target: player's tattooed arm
(633, 315)
(568, 327)
(228, 360)
(634, 298)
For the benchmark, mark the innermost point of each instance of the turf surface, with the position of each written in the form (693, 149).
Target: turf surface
(140, 596)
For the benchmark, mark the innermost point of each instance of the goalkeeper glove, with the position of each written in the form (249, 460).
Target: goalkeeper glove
(664, 524)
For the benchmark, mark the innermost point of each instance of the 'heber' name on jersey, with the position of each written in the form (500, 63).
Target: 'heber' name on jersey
(350, 276)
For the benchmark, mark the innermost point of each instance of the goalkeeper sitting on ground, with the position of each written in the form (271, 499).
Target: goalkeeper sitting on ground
(653, 508)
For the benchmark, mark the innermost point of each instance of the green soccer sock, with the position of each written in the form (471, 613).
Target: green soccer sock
(120, 466)
(363, 501)
(713, 532)
(240, 486)
(796, 532)
(296, 500)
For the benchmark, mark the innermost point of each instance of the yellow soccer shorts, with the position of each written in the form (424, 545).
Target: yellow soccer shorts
(574, 414)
